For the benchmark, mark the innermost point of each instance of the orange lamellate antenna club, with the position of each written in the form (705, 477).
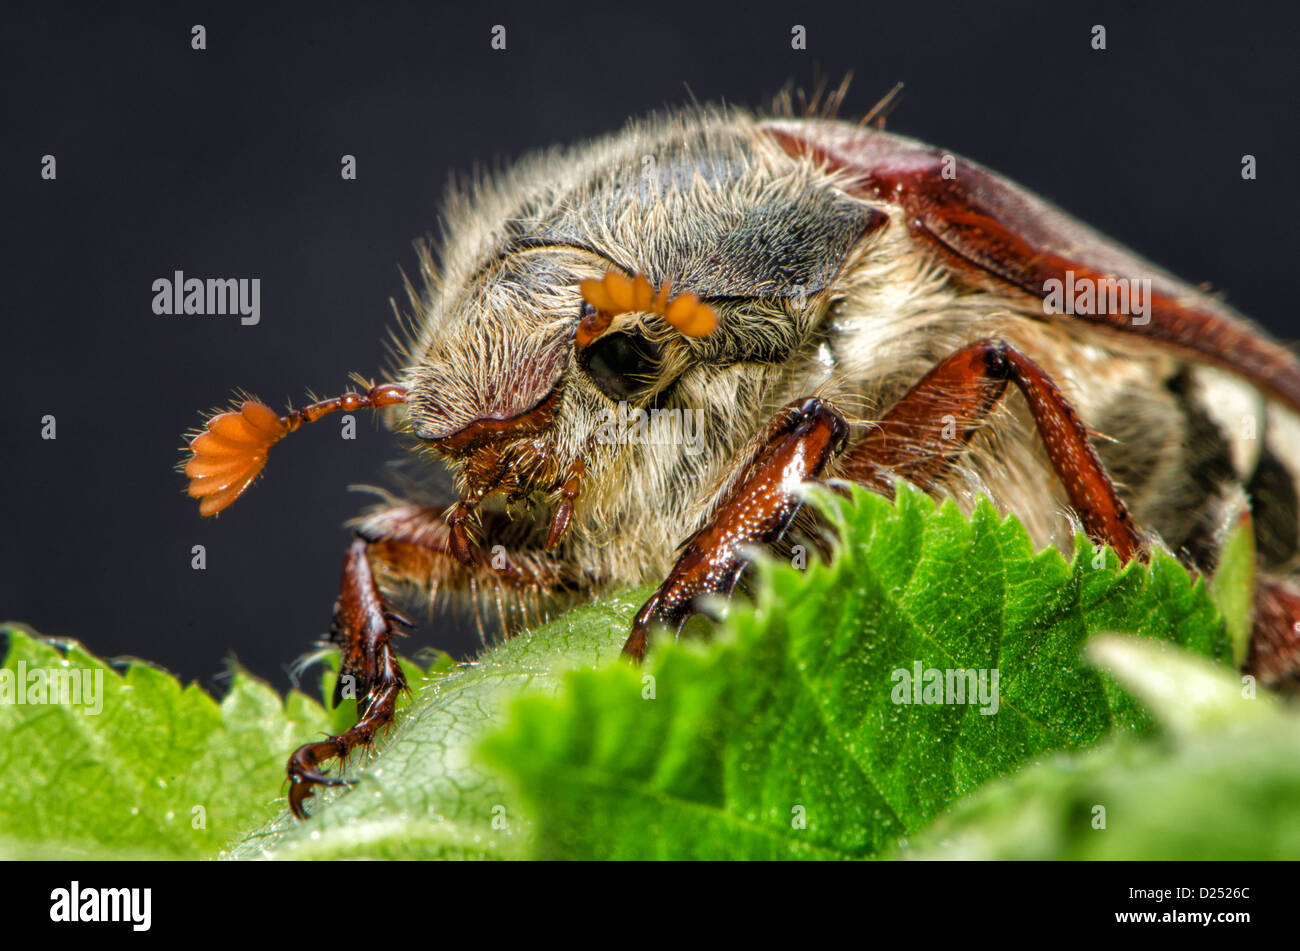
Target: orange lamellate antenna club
(618, 294)
(231, 451)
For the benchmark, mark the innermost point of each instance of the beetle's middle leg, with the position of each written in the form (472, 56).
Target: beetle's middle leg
(919, 438)
(928, 429)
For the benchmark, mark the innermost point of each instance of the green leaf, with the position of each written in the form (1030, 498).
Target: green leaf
(779, 738)
(786, 737)
(423, 794)
(1233, 586)
(141, 766)
(1226, 787)
(1187, 694)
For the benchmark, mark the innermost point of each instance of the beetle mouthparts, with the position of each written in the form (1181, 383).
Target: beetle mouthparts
(515, 473)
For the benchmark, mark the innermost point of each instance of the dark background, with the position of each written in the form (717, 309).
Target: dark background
(225, 163)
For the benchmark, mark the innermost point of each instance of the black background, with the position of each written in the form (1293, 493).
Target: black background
(225, 163)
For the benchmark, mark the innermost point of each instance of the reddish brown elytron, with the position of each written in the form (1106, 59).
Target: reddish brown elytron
(985, 224)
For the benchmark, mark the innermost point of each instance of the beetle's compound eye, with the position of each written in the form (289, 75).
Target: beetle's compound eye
(622, 365)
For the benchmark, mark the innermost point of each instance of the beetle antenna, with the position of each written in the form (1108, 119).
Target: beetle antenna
(618, 294)
(231, 450)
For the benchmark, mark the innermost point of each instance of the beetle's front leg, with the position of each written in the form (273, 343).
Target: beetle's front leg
(365, 627)
(757, 507)
(921, 436)
(398, 545)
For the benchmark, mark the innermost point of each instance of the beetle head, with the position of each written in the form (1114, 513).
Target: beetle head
(523, 346)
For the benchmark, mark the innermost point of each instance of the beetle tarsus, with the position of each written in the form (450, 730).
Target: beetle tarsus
(304, 776)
